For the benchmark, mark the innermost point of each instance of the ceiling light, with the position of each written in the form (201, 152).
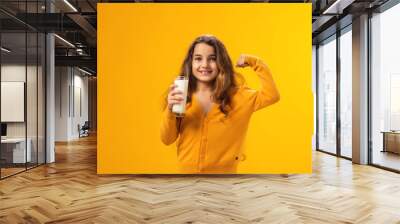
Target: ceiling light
(5, 50)
(84, 71)
(64, 40)
(338, 6)
(71, 6)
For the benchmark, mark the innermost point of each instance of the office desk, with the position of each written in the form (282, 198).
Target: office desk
(391, 141)
(13, 150)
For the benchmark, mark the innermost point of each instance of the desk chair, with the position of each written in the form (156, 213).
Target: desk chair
(84, 130)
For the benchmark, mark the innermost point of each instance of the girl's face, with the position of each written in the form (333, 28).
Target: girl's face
(204, 63)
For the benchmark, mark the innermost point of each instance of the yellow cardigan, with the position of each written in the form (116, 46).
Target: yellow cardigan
(212, 143)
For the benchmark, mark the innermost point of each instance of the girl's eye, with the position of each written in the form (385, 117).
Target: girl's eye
(213, 59)
(197, 59)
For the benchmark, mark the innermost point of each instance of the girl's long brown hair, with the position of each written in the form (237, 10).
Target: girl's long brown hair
(226, 82)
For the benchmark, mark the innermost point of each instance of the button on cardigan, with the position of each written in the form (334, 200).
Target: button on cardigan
(213, 142)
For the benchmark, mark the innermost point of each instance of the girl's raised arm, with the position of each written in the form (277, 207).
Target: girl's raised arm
(268, 94)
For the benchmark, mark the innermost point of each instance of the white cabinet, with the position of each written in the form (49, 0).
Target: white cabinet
(17, 147)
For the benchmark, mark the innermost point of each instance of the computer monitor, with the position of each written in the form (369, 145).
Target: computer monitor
(3, 129)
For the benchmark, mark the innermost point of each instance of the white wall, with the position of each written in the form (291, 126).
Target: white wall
(12, 73)
(81, 84)
(62, 81)
(71, 94)
(33, 127)
(314, 90)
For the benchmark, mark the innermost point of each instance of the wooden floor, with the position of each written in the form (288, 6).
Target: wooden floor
(8, 171)
(70, 191)
(5, 172)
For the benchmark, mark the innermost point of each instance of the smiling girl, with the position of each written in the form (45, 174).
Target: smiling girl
(219, 106)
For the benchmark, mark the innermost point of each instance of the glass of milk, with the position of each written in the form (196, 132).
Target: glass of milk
(181, 83)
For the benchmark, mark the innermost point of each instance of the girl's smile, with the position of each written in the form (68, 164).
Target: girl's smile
(205, 72)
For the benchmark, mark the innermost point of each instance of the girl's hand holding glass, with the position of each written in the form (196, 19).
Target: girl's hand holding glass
(174, 96)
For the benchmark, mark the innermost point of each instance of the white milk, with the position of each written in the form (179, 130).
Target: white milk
(182, 85)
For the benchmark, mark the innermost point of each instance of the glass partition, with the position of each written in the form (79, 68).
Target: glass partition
(327, 95)
(32, 95)
(41, 86)
(22, 88)
(14, 153)
(346, 93)
(385, 88)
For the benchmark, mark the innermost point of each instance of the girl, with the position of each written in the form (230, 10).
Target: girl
(219, 106)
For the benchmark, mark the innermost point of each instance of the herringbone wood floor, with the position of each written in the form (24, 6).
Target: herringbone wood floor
(70, 191)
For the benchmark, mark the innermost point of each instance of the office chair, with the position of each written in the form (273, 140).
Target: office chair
(84, 130)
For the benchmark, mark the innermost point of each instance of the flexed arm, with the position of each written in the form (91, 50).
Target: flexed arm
(268, 94)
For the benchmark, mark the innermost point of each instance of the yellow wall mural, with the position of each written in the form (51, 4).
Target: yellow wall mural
(266, 123)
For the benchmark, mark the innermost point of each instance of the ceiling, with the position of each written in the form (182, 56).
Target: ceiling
(76, 22)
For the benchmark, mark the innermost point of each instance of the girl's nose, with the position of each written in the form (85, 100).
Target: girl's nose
(204, 63)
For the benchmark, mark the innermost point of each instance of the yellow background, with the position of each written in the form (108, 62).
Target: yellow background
(140, 50)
